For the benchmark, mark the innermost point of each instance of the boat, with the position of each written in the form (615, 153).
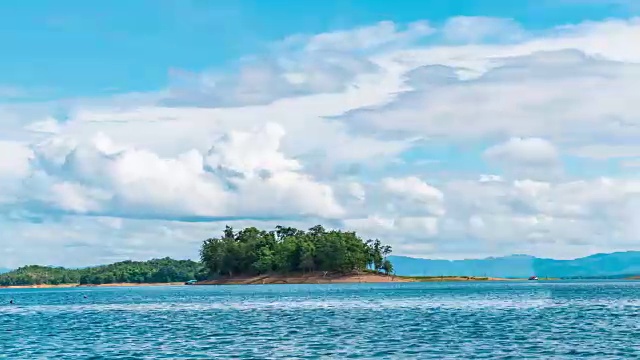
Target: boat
(191, 282)
(533, 278)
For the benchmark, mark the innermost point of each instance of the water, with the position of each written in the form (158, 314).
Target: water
(484, 320)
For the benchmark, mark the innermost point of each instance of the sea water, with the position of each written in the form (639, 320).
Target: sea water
(469, 320)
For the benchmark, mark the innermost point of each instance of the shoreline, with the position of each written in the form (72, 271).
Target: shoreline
(292, 279)
(49, 286)
(315, 278)
(319, 278)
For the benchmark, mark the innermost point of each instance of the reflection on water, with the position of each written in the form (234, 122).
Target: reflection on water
(428, 320)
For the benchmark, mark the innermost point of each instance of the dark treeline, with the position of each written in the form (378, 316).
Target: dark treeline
(252, 252)
(152, 271)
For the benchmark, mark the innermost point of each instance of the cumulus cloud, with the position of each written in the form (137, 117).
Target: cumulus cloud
(414, 195)
(519, 151)
(529, 157)
(417, 232)
(243, 174)
(498, 217)
(488, 218)
(405, 211)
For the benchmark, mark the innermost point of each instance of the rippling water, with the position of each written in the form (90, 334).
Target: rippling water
(554, 320)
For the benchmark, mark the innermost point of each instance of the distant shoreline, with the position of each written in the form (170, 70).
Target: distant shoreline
(49, 286)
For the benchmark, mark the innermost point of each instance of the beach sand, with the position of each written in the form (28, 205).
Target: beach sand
(320, 278)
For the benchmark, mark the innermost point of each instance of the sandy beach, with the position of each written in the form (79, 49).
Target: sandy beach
(320, 278)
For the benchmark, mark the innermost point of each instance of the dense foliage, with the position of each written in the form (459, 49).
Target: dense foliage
(252, 251)
(152, 271)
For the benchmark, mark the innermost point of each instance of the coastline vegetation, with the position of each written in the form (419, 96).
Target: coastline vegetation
(136, 272)
(289, 250)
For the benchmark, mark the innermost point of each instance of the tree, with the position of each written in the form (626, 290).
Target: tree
(387, 267)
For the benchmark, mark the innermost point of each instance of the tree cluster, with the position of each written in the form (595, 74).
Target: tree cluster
(252, 252)
(152, 271)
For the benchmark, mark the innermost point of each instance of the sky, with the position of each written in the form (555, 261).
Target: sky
(449, 130)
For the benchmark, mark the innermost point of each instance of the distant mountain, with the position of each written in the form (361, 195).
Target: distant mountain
(598, 265)
(4, 270)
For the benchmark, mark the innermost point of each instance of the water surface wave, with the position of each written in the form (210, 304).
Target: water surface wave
(555, 320)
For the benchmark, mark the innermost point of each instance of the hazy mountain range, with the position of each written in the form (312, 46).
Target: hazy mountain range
(598, 265)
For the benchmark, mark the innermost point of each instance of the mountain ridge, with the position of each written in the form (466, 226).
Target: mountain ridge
(622, 263)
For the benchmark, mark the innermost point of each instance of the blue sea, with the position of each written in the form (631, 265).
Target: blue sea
(471, 320)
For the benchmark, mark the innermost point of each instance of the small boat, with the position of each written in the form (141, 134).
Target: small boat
(533, 278)
(191, 282)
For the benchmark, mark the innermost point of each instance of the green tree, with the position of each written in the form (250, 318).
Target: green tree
(387, 267)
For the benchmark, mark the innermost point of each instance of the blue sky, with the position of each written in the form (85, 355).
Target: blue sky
(451, 129)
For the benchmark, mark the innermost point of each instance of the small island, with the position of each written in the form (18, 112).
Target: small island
(291, 256)
(284, 255)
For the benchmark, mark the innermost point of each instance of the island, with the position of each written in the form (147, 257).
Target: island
(288, 255)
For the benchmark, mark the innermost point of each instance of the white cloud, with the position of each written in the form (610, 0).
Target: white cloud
(364, 38)
(403, 211)
(531, 157)
(529, 151)
(563, 220)
(243, 174)
(417, 232)
(414, 195)
(14, 166)
(14, 159)
(490, 178)
(473, 29)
